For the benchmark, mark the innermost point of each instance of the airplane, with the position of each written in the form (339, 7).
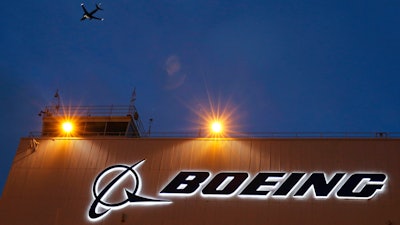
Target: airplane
(89, 15)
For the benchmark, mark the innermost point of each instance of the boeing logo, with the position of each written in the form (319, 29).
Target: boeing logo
(101, 205)
(263, 185)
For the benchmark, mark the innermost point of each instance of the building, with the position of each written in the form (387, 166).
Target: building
(118, 175)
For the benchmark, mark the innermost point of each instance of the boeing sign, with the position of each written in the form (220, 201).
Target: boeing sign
(228, 184)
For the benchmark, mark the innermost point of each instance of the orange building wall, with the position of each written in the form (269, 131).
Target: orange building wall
(53, 184)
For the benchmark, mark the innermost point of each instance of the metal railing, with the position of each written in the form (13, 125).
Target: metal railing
(110, 110)
(120, 110)
(316, 135)
(96, 111)
(283, 134)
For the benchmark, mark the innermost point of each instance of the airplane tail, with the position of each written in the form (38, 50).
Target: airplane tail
(98, 6)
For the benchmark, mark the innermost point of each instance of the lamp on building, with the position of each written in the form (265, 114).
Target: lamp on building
(67, 127)
(216, 129)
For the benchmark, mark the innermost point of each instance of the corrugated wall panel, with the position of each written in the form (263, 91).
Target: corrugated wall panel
(53, 185)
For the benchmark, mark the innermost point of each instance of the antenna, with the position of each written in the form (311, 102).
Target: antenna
(132, 108)
(57, 106)
(150, 123)
(53, 109)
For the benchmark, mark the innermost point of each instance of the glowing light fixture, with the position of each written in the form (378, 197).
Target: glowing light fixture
(67, 127)
(216, 127)
(216, 120)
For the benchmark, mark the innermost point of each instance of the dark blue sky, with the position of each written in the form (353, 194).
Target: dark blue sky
(281, 65)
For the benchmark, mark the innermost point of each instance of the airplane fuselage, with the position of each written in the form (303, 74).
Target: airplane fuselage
(89, 15)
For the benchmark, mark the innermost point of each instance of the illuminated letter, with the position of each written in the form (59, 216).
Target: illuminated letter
(321, 187)
(362, 185)
(224, 183)
(185, 183)
(257, 185)
(288, 185)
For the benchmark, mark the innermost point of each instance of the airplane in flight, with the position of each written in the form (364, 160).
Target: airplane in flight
(89, 15)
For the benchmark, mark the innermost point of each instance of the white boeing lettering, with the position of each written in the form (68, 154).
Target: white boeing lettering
(277, 184)
(264, 185)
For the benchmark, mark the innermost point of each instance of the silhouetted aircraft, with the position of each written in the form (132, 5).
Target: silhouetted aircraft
(89, 15)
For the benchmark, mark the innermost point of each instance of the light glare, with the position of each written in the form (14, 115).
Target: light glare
(67, 127)
(216, 127)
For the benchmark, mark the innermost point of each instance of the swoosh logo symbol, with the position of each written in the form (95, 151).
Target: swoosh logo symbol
(131, 197)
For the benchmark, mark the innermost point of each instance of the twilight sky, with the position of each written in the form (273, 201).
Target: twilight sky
(282, 66)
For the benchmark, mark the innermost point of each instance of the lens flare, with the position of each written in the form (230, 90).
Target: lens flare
(67, 126)
(216, 127)
(68, 120)
(216, 120)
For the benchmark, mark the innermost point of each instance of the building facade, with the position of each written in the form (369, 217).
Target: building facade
(179, 181)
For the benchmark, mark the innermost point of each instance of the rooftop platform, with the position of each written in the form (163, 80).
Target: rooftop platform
(93, 121)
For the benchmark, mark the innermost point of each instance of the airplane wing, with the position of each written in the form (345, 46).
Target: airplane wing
(93, 12)
(84, 9)
(93, 17)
